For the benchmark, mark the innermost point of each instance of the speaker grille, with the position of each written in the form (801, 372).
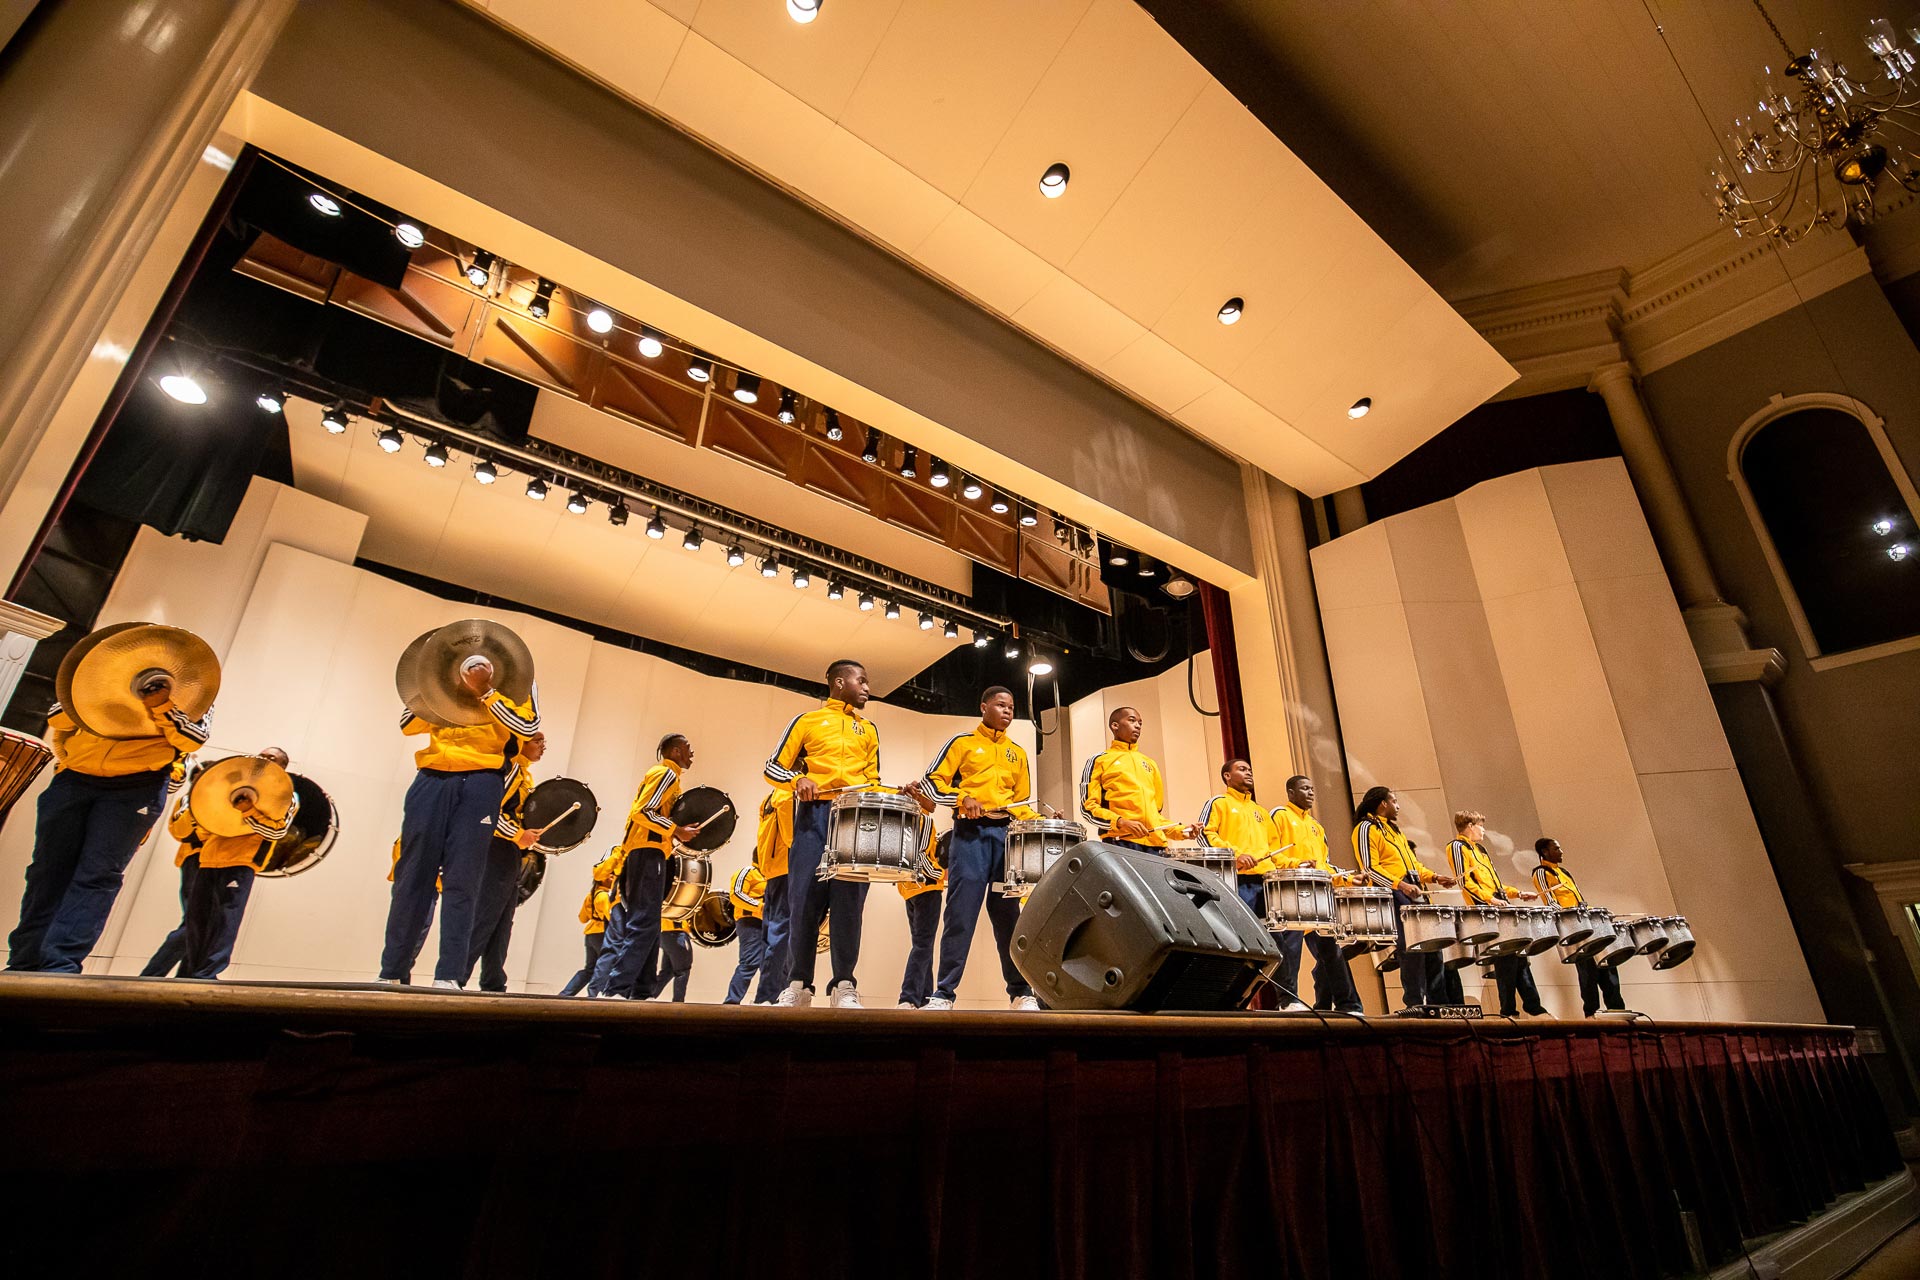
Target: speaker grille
(1192, 981)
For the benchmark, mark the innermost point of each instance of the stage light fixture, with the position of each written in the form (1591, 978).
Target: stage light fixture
(600, 320)
(789, 406)
(981, 639)
(770, 567)
(542, 299)
(409, 235)
(1053, 183)
(537, 489)
(1012, 650)
(1881, 527)
(834, 431)
(577, 502)
(1231, 310)
(1179, 586)
(700, 369)
(650, 343)
(835, 589)
(970, 489)
(866, 602)
(1899, 551)
(390, 439)
(1060, 531)
(325, 204)
(693, 539)
(275, 401)
(1116, 555)
(893, 609)
(184, 387)
(335, 420)
(746, 388)
(485, 472)
(802, 579)
(1360, 407)
(937, 474)
(1028, 517)
(435, 456)
(656, 527)
(927, 620)
(804, 11)
(871, 453)
(1145, 567)
(617, 513)
(736, 555)
(1000, 506)
(481, 269)
(952, 630)
(909, 461)
(1040, 666)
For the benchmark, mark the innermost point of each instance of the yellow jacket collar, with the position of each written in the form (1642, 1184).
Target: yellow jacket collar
(844, 708)
(990, 733)
(1296, 810)
(1238, 794)
(1117, 745)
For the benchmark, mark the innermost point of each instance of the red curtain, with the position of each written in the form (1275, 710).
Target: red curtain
(1218, 613)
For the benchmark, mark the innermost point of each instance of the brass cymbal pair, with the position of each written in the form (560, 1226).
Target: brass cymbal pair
(428, 674)
(215, 796)
(101, 680)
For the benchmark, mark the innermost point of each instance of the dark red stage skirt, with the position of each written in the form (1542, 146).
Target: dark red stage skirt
(167, 1128)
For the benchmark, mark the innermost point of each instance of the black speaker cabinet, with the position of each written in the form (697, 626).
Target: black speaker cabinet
(1113, 928)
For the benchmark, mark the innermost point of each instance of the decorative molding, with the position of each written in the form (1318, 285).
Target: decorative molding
(1837, 1241)
(19, 620)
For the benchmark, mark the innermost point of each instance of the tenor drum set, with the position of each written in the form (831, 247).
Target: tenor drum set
(1466, 933)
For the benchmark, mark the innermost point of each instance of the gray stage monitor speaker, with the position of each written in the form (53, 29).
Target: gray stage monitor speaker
(1113, 928)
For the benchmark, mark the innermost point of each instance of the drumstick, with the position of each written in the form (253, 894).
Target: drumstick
(702, 824)
(571, 810)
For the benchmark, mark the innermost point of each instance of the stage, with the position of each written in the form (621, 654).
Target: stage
(236, 1129)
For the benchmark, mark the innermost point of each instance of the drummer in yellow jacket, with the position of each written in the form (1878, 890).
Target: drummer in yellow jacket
(747, 891)
(1123, 792)
(923, 911)
(500, 889)
(594, 913)
(1387, 858)
(627, 955)
(831, 749)
(771, 845)
(1472, 865)
(1598, 982)
(1300, 841)
(105, 795)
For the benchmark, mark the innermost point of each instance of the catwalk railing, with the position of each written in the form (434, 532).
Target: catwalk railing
(168, 1128)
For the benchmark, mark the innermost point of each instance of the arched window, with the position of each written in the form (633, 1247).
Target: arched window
(1839, 521)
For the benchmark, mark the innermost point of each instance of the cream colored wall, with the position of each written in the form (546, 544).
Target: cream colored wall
(1517, 650)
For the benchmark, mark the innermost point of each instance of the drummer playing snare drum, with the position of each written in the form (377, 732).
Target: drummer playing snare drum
(1124, 793)
(1386, 855)
(1300, 841)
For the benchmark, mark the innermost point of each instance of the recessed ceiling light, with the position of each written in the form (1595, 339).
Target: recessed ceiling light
(650, 344)
(1360, 407)
(1231, 309)
(600, 320)
(390, 439)
(325, 204)
(804, 11)
(542, 300)
(436, 455)
(746, 388)
(184, 387)
(1179, 586)
(700, 369)
(275, 401)
(1053, 183)
(1116, 555)
(409, 235)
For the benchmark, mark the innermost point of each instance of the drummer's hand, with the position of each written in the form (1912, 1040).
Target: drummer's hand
(804, 790)
(1409, 888)
(1191, 831)
(1127, 827)
(1445, 882)
(1529, 897)
(970, 807)
(156, 692)
(1244, 861)
(685, 832)
(478, 679)
(526, 838)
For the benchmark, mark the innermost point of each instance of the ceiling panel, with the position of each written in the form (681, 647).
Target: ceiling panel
(870, 191)
(1073, 319)
(1116, 90)
(1154, 370)
(819, 62)
(736, 108)
(1226, 415)
(983, 262)
(626, 45)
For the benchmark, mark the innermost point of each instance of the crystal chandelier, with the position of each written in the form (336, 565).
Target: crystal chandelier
(1813, 153)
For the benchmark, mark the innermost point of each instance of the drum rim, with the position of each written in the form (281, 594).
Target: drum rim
(874, 799)
(1050, 826)
(1314, 874)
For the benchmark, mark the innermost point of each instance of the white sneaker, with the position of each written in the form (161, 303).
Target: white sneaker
(1295, 1006)
(796, 996)
(447, 984)
(938, 1002)
(1026, 1004)
(906, 1004)
(846, 996)
(389, 982)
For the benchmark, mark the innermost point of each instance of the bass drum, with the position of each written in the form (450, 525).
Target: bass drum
(313, 830)
(547, 801)
(533, 869)
(699, 805)
(713, 924)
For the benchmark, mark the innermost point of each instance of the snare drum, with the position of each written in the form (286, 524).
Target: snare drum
(1299, 898)
(692, 877)
(875, 836)
(1513, 932)
(1034, 845)
(1429, 928)
(1543, 927)
(1363, 919)
(1212, 858)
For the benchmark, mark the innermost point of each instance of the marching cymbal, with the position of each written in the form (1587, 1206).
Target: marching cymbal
(213, 796)
(428, 675)
(99, 680)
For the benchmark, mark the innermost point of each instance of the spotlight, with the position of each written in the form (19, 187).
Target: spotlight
(485, 472)
(600, 320)
(1028, 518)
(952, 630)
(409, 235)
(543, 300)
(833, 425)
(1179, 586)
(693, 539)
(804, 11)
(926, 620)
(325, 203)
(736, 555)
(617, 513)
(1360, 407)
(1899, 551)
(970, 489)
(871, 453)
(650, 344)
(436, 455)
(893, 609)
(1040, 666)
(835, 589)
(1012, 650)
(1053, 183)
(981, 639)
(275, 401)
(1231, 310)
(700, 369)
(390, 439)
(999, 505)
(1881, 527)
(1060, 531)
(1116, 555)
(746, 388)
(770, 567)
(866, 602)
(482, 269)
(909, 461)
(184, 387)
(656, 527)
(789, 406)
(537, 489)
(937, 474)
(577, 502)
(802, 579)
(1145, 566)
